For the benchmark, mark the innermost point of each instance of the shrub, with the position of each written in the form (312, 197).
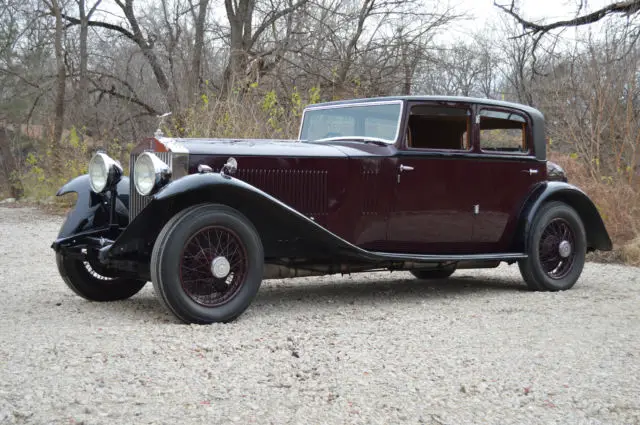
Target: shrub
(616, 199)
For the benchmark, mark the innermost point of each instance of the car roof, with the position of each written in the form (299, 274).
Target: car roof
(422, 98)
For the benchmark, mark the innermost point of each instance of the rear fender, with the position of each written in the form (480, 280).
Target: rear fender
(91, 210)
(597, 236)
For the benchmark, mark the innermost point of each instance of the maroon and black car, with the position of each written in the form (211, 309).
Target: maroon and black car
(425, 184)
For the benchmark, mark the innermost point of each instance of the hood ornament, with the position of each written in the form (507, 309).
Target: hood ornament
(158, 134)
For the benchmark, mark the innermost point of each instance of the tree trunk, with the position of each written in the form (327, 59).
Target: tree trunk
(198, 46)
(240, 15)
(83, 80)
(149, 54)
(60, 85)
(9, 165)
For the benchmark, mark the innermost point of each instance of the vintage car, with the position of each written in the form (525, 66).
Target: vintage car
(424, 184)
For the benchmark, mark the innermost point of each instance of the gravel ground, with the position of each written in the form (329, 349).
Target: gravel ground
(373, 348)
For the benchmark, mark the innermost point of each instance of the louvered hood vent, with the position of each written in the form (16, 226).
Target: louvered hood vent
(303, 190)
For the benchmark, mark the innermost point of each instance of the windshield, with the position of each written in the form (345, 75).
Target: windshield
(378, 121)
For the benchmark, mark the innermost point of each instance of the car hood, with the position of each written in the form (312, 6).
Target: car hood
(253, 147)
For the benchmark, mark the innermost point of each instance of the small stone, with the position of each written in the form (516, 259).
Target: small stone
(8, 201)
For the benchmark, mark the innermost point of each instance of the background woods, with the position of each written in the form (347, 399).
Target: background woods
(77, 75)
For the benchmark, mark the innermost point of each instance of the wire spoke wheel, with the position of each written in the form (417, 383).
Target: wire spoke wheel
(557, 248)
(213, 266)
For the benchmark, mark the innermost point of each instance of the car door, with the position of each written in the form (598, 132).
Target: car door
(505, 172)
(432, 211)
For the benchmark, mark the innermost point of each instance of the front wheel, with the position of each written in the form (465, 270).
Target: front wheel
(83, 277)
(556, 249)
(207, 264)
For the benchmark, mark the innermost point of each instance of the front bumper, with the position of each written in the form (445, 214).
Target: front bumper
(97, 238)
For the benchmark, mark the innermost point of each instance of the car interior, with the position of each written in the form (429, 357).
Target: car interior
(438, 127)
(448, 128)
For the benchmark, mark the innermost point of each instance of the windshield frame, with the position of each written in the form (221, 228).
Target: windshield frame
(358, 104)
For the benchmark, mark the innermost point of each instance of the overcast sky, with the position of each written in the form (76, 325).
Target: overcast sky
(533, 9)
(483, 14)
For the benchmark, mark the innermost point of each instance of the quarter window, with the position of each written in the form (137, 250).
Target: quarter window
(503, 132)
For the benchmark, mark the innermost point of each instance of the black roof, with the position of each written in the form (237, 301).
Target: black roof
(424, 98)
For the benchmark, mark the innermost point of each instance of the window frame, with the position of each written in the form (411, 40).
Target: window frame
(470, 128)
(339, 105)
(527, 134)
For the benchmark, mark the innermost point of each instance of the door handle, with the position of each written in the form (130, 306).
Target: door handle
(531, 171)
(405, 168)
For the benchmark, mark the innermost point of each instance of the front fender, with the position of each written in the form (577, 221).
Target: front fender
(91, 210)
(597, 236)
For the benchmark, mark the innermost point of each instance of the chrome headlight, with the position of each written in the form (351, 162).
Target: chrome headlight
(150, 172)
(104, 172)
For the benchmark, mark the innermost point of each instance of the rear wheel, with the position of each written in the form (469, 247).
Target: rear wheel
(91, 281)
(556, 249)
(434, 274)
(207, 264)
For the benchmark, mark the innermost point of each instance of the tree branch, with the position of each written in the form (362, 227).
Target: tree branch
(628, 8)
(271, 19)
(150, 109)
(75, 21)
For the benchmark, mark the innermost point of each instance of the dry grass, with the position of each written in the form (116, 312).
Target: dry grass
(619, 205)
(630, 253)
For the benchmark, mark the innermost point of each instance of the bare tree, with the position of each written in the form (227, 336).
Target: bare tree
(61, 78)
(199, 18)
(146, 45)
(242, 34)
(626, 8)
(83, 83)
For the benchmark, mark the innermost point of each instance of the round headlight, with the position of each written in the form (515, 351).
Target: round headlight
(104, 172)
(149, 173)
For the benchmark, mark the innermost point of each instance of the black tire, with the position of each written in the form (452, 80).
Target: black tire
(204, 298)
(546, 268)
(443, 273)
(84, 280)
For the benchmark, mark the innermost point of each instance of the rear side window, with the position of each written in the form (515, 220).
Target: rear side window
(438, 127)
(503, 132)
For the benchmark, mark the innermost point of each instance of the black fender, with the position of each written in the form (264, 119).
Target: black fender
(91, 210)
(597, 236)
(284, 231)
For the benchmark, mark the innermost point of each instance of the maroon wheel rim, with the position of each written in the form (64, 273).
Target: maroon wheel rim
(208, 246)
(557, 249)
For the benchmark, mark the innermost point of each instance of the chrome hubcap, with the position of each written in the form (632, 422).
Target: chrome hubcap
(220, 267)
(564, 249)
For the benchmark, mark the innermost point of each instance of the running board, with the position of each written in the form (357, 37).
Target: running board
(444, 258)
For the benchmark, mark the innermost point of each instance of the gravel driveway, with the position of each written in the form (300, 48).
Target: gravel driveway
(375, 348)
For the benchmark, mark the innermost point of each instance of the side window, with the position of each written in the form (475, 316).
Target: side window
(438, 127)
(503, 132)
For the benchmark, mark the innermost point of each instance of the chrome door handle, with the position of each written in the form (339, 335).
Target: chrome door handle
(405, 168)
(531, 171)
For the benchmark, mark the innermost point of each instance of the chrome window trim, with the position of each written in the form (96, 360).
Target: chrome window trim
(357, 104)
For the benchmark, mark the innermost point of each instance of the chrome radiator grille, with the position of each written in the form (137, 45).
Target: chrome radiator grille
(136, 201)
